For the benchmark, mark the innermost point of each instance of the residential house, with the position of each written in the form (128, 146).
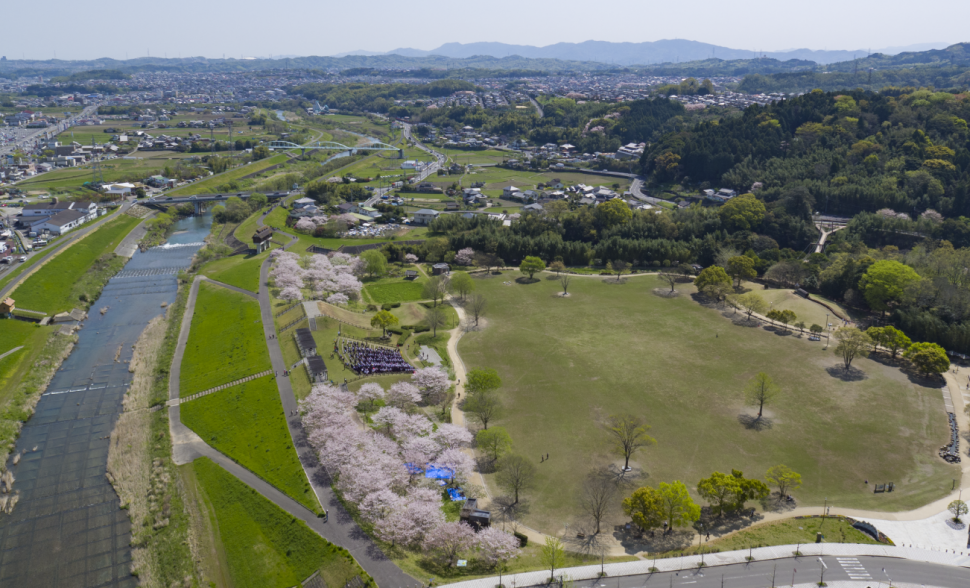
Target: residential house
(425, 216)
(440, 268)
(510, 193)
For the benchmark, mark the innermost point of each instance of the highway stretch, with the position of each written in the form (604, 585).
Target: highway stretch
(62, 126)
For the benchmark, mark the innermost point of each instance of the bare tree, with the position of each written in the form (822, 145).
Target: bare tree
(479, 304)
(436, 288)
(620, 266)
(596, 496)
(515, 474)
(488, 261)
(435, 317)
(629, 432)
(671, 277)
(564, 281)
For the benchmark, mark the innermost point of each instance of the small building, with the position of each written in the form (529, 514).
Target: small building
(440, 268)
(471, 515)
(425, 216)
(305, 342)
(262, 238)
(61, 222)
(7, 307)
(316, 369)
(410, 275)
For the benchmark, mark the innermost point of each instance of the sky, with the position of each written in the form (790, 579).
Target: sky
(246, 28)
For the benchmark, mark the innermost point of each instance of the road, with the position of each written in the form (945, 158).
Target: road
(536, 104)
(31, 139)
(636, 188)
(439, 158)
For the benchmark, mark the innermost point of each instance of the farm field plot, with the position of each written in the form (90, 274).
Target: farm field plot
(246, 422)
(264, 546)
(225, 340)
(57, 285)
(569, 363)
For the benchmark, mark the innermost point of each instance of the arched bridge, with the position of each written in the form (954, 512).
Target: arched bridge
(334, 146)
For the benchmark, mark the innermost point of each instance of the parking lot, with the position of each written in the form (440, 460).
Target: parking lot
(373, 230)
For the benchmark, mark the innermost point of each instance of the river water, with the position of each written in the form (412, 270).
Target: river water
(68, 528)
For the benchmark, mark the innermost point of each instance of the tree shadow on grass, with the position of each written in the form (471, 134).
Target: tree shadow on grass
(776, 503)
(635, 541)
(729, 522)
(630, 478)
(780, 331)
(665, 293)
(527, 280)
(613, 280)
(742, 320)
(852, 374)
(504, 508)
(754, 422)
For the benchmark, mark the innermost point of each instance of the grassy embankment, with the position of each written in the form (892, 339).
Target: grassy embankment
(225, 341)
(260, 544)
(74, 277)
(211, 185)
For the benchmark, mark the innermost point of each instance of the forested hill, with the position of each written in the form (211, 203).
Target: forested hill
(903, 149)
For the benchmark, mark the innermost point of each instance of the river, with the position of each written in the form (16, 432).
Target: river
(68, 528)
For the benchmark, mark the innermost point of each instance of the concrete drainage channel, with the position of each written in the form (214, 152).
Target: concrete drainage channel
(68, 528)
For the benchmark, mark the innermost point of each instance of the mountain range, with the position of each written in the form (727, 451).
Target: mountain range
(646, 53)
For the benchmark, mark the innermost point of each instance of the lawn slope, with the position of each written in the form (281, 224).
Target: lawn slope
(225, 341)
(246, 423)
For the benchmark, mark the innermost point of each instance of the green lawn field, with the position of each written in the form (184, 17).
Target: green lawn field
(241, 271)
(569, 363)
(264, 546)
(225, 341)
(398, 290)
(13, 334)
(246, 422)
(57, 285)
(211, 184)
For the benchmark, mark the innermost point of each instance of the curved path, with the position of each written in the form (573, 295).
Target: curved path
(338, 528)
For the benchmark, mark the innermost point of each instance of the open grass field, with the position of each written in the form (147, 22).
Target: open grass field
(241, 271)
(569, 363)
(246, 422)
(225, 341)
(57, 285)
(211, 184)
(13, 334)
(792, 532)
(395, 290)
(805, 310)
(463, 157)
(263, 545)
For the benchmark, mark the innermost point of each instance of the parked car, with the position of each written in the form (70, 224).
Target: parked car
(23, 258)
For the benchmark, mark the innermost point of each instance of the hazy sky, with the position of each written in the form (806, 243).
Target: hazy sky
(109, 28)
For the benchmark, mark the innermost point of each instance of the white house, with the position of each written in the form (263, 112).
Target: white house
(62, 222)
(122, 189)
(425, 216)
(511, 192)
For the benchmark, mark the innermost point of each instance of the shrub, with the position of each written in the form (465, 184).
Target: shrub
(386, 307)
(372, 307)
(523, 540)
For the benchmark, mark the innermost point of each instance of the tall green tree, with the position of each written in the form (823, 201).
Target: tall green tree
(613, 212)
(383, 319)
(376, 263)
(532, 265)
(714, 282)
(461, 283)
(853, 343)
(719, 490)
(889, 337)
(929, 358)
(482, 380)
(743, 213)
(741, 268)
(645, 508)
(495, 442)
(885, 283)
(748, 489)
(785, 478)
(760, 390)
(679, 510)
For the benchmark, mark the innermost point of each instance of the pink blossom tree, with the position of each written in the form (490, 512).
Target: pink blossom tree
(399, 527)
(432, 382)
(390, 418)
(291, 293)
(418, 451)
(459, 462)
(370, 393)
(494, 546)
(304, 225)
(402, 394)
(465, 256)
(411, 258)
(450, 436)
(338, 299)
(447, 541)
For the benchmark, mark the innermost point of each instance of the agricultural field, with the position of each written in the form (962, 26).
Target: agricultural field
(608, 348)
(75, 276)
(246, 422)
(225, 341)
(261, 545)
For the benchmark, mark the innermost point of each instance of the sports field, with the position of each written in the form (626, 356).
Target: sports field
(569, 363)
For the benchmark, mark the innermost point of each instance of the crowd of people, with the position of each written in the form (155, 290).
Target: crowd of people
(364, 359)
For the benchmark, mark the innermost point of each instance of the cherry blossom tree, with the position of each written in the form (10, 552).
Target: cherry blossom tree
(349, 286)
(370, 393)
(411, 258)
(291, 293)
(459, 462)
(465, 256)
(380, 504)
(494, 546)
(305, 225)
(338, 299)
(448, 540)
(399, 527)
(418, 450)
(402, 394)
(432, 382)
(390, 418)
(450, 436)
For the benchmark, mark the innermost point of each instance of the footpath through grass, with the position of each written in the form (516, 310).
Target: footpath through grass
(567, 364)
(75, 276)
(264, 546)
(225, 341)
(246, 422)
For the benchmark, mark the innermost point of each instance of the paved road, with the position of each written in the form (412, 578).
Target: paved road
(69, 239)
(32, 138)
(439, 158)
(536, 104)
